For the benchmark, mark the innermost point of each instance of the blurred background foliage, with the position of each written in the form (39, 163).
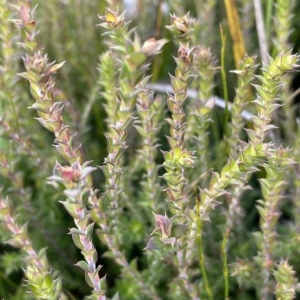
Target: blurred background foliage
(69, 32)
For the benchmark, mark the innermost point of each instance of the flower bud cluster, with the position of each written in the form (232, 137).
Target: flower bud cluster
(182, 28)
(286, 282)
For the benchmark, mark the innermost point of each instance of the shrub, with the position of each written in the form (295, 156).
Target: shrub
(188, 205)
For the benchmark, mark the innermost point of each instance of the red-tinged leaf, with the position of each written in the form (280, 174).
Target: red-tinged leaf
(25, 15)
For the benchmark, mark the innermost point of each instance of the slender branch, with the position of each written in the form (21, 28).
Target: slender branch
(200, 252)
(268, 18)
(263, 45)
(224, 81)
(225, 264)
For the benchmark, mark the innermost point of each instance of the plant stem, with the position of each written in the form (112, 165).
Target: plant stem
(7, 280)
(268, 18)
(263, 45)
(225, 266)
(200, 250)
(224, 83)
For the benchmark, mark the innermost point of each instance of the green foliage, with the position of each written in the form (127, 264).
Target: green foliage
(154, 224)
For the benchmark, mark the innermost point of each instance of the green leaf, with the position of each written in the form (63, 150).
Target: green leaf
(84, 266)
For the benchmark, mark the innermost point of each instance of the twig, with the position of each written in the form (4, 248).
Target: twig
(225, 266)
(295, 94)
(224, 81)
(200, 252)
(263, 45)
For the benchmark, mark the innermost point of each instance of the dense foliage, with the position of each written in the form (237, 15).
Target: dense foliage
(119, 181)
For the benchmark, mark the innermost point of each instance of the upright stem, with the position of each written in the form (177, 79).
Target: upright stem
(225, 265)
(263, 44)
(224, 82)
(268, 18)
(200, 252)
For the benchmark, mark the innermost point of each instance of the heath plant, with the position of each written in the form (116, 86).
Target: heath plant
(139, 204)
